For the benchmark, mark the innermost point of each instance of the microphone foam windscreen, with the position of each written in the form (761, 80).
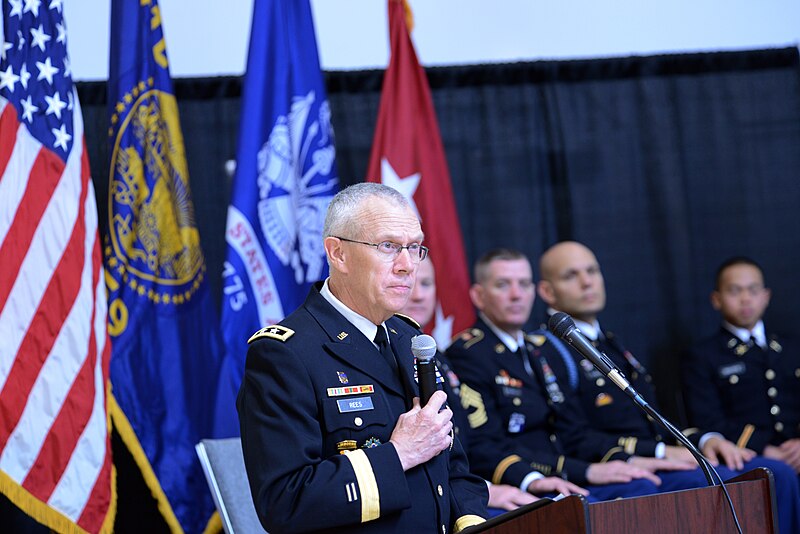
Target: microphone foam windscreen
(423, 347)
(560, 323)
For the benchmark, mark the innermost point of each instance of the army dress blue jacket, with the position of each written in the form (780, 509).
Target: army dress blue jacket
(317, 408)
(519, 419)
(747, 394)
(608, 408)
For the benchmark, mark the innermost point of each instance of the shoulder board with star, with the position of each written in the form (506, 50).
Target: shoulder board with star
(470, 336)
(276, 331)
(408, 319)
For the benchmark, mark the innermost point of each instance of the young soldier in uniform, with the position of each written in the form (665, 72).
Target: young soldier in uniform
(743, 381)
(334, 438)
(572, 282)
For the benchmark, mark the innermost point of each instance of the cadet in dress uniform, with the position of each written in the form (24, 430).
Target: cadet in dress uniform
(744, 381)
(572, 282)
(524, 431)
(331, 439)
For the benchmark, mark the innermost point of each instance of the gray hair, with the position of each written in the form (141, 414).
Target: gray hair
(344, 209)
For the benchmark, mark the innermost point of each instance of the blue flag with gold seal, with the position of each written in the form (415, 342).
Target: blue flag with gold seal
(285, 179)
(166, 345)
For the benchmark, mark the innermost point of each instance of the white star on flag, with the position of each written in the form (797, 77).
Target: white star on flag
(16, 8)
(28, 109)
(6, 47)
(443, 329)
(406, 186)
(62, 137)
(39, 38)
(54, 104)
(33, 6)
(8, 79)
(46, 70)
(24, 76)
(62, 32)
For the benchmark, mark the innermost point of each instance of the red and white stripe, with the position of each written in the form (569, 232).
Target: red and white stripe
(54, 348)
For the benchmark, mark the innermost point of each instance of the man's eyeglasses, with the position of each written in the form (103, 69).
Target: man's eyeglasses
(392, 250)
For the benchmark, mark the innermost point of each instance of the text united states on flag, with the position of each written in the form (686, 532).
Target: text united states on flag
(55, 459)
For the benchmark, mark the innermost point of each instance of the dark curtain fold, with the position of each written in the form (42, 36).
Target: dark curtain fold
(663, 165)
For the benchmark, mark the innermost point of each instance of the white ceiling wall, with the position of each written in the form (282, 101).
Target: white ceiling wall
(210, 38)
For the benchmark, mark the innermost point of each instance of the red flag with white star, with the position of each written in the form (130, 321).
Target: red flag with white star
(407, 154)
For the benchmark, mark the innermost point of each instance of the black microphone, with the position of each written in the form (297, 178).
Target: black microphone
(423, 347)
(564, 327)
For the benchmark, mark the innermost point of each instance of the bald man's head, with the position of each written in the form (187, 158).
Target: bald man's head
(572, 281)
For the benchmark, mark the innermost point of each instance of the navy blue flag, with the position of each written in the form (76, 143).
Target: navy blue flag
(285, 178)
(166, 345)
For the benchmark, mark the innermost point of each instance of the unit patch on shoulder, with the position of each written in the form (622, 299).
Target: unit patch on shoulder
(281, 333)
(408, 319)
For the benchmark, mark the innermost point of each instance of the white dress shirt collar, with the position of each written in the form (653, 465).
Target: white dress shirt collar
(744, 334)
(364, 325)
(512, 343)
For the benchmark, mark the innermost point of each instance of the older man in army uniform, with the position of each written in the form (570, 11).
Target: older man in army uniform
(524, 430)
(333, 435)
(743, 381)
(572, 282)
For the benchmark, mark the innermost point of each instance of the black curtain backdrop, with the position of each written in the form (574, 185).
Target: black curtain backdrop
(663, 165)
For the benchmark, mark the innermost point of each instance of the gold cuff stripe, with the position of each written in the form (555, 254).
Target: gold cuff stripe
(747, 433)
(467, 521)
(611, 452)
(503, 466)
(560, 464)
(367, 485)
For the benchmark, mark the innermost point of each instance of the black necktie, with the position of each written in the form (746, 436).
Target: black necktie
(386, 351)
(522, 350)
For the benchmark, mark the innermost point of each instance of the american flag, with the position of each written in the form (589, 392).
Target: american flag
(55, 454)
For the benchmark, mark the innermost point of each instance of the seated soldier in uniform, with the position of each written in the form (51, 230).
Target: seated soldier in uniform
(523, 429)
(743, 381)
(421, 306)
(572, 282)
(333, 435)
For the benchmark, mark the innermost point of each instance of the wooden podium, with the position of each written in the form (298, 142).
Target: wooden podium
(677, 512)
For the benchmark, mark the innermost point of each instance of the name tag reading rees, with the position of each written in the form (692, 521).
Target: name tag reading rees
(357, 404)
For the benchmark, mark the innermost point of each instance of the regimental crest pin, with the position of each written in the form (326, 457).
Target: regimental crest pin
(371, 443)
(341, 335)
(342, 377)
